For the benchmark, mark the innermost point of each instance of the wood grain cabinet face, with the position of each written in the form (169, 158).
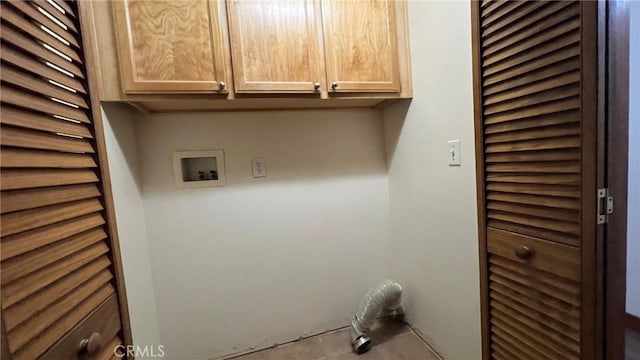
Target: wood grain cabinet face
(170, 46)
(360, 44)
(276, 46)
(536, 106)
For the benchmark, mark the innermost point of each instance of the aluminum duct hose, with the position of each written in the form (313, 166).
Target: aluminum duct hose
(384, 299)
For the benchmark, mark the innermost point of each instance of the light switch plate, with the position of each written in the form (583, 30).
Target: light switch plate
(259, 168)
(454, 153)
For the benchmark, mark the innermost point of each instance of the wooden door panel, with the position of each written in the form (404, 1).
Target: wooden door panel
(276, 45)
(99, 321)
(534, 125)
(169, 46)
(361, 46)
(56, 257)
(534, 303)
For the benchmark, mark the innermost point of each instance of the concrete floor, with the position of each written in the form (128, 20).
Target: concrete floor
(632, 345)
(391, 341)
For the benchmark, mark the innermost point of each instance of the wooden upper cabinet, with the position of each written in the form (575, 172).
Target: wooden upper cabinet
(275, 46)
(150, 50)
(361, 45)
(170, 46)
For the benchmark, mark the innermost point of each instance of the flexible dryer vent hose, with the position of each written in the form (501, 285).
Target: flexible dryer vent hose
(382, 300)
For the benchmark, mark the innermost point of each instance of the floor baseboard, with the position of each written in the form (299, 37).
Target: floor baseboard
(632, 322)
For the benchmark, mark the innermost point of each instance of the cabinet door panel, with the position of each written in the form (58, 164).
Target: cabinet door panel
(275, 45)
(361, 45)
(59, 255)
(169, 46)
(536, 103)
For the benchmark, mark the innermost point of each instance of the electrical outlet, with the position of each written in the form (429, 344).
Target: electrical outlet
(454, 153)
(259, 168)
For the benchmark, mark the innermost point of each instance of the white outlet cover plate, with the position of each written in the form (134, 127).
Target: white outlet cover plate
(259, 167)
(454, 153)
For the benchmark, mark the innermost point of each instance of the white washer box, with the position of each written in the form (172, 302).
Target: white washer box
(196, 169)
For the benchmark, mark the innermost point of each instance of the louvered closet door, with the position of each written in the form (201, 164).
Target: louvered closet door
(535, 104)
(56, 266)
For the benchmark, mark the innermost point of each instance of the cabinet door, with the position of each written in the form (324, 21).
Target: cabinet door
(59, 258)
(361, 45)
(169, 46)
(276, 46)
(535, 89)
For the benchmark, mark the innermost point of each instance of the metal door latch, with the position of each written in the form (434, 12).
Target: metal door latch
(605, 205)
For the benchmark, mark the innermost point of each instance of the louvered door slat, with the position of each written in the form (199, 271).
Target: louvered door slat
(502, 353)
(533, 122)
(535, 14)
(560, 342)
(25, 309)
(16, 158)
(48, 338)
(537, 144)
(523, 102)
(23, 242)
(30, 219)
(535, 167)
(529, 156)
(528, 69)
(29, 284)
(530, 77)
(27, 63)
(492, 6)
(12, 16)
(533, 210)
(34, 48)
(506, 23)
(551, 179)
(526, 134)
(535, 111)
(56, 260)
(26, 179)
(66, 8)
(553, 47)
(555, 329)
(533, 66)
(508, 351)
(29, 101)
(11, 201)
(33, 327)
(11, 136)
(36, 84)
(531, 341)
(35, 121)
(525, 350)
(23, 265)
(565, 78)
(33, 13)
(508, 7)
(51, 10)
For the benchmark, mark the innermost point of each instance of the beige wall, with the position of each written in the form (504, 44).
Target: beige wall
(433, 206)
(126, 183)
(265, 260)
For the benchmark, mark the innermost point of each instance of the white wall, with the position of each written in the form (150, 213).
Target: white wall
(126, 183)
(633, 229)
(264, 260)
(433, 206)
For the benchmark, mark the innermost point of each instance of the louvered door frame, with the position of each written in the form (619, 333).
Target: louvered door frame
(60, 252)
(573, 233)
